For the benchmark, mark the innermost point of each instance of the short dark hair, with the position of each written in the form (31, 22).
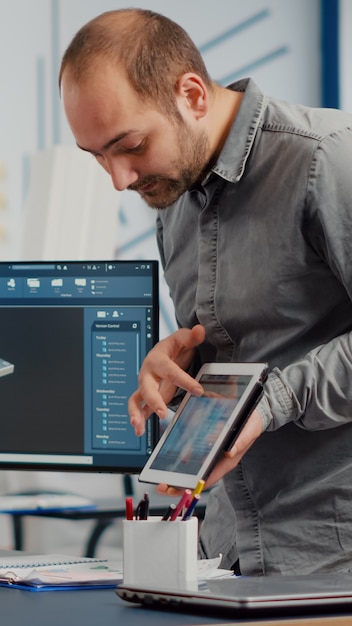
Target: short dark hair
(154, 51)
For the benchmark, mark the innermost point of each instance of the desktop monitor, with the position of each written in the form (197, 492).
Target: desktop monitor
(72, 338)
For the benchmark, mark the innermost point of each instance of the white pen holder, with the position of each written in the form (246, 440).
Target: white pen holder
(160, 554)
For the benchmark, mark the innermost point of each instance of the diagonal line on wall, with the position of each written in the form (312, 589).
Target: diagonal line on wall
(237, 28)
(247, 69)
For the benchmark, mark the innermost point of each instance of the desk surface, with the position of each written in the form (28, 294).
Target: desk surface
(85, 608)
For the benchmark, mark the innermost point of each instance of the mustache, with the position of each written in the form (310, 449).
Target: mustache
(147, 180)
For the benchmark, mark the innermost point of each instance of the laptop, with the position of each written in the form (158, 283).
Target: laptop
(255, 595)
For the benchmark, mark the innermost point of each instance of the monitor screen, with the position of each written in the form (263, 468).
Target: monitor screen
(72, 338)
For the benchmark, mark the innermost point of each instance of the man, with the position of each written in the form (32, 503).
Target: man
(254, 222)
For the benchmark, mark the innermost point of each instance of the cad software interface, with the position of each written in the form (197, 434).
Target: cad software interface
(72, 339)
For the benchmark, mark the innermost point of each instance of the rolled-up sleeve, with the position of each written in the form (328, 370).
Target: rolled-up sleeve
(316, 391)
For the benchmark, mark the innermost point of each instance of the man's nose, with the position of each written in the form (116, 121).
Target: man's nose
(122, 174)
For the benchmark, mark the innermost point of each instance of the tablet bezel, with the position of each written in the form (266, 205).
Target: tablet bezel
(243, 408)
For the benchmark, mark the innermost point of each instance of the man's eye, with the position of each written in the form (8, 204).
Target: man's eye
(136, 149)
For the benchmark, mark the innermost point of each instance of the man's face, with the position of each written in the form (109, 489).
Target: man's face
(141, 148)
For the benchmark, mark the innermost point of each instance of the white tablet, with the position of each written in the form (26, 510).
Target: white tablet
(203, 427)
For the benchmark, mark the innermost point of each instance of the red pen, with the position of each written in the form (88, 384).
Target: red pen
(183, 503)
(129, 508)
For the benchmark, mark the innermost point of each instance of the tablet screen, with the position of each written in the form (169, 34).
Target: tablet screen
(200, 423)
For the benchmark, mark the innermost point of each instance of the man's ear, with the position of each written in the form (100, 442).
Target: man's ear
(192, 95)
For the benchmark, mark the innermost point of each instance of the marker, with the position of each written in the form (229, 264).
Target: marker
(183, 503)
(168, 513)
(191, 507)
(143, 508)
(129, 508)
(199, 488)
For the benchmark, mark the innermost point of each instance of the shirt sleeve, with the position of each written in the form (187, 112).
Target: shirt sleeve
(316, 391)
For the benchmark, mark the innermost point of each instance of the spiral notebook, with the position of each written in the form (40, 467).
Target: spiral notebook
(58, 572)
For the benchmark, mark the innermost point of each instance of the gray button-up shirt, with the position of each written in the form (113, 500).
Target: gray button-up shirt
(261, 254)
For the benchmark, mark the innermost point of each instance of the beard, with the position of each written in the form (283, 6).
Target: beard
(161, 191)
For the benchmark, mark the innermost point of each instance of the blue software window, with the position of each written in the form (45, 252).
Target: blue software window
(72, 338)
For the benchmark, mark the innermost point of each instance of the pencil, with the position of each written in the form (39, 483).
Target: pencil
(191, 507)
(199, 488)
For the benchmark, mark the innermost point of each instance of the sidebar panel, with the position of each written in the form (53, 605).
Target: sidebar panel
(115, 365)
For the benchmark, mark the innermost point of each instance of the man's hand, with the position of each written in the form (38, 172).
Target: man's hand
(251, 431)
(162, 372)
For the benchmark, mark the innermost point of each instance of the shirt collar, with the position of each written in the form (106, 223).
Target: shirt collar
(233, 157)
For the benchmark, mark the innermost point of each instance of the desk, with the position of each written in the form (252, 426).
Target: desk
(84, 608)
(104, 515)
